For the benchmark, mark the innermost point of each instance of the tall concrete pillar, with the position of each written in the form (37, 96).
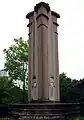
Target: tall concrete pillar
(43, 82)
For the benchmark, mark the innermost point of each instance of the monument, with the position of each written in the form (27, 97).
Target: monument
(43, 54)
(43, 83)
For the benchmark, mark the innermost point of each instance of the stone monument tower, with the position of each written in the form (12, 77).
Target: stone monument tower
(43, 86)
(43, 54)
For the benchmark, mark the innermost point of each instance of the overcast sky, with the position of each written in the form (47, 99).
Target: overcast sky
(71, 30)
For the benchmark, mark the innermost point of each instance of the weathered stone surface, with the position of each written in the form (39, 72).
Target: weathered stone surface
(43, 79)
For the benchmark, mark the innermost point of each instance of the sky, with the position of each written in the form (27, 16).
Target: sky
(13, 24)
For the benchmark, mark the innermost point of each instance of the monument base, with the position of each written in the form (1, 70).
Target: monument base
(44, 111)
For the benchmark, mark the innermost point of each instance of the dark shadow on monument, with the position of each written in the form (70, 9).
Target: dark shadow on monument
(43, 85)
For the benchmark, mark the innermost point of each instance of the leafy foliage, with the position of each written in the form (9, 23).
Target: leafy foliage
(16, 63)
(16, 59)
(71, 90)
(65, 84)
(8, 91)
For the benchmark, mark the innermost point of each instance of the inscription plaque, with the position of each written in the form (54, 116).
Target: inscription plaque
(43, 117)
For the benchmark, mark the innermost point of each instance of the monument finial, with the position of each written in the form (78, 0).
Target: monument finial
(46, 5)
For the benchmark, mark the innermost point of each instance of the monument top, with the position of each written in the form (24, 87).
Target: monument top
(45, 5)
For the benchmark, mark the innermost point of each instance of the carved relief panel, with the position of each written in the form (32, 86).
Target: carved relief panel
(51, 88)
(34, 88)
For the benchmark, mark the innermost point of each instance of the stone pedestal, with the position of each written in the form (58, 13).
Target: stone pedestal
(44, 111)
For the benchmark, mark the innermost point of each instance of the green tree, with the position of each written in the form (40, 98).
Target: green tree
(65, 84)
(16, 62)
(9, 93)
(5, 86)
(70, 89)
